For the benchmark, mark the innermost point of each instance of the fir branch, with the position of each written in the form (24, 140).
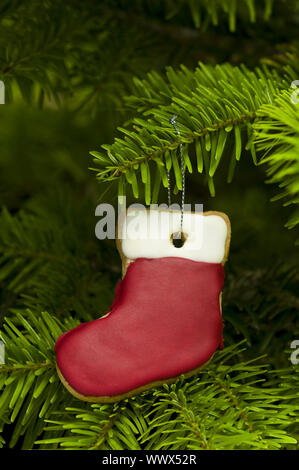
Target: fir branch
(277, 136)
(180, 416)
(261, 305)
(222, 402)
(96, 427)
(201, 13)
(28, 380)
(214, 105)
(26, 367)
(43, 267)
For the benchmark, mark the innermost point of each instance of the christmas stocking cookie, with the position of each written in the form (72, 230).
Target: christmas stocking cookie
(166, 317)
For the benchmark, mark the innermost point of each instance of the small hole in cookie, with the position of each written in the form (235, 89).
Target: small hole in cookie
(178, 239)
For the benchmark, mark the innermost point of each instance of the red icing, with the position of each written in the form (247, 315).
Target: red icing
(164, 321)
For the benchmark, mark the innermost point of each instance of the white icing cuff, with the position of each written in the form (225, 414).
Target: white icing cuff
(147, 234)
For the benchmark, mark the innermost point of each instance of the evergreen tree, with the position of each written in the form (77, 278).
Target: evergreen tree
(89, 88)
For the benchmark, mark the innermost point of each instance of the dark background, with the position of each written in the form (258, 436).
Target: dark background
(67, 67)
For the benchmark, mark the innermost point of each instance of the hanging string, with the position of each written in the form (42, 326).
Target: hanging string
(172, 121)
